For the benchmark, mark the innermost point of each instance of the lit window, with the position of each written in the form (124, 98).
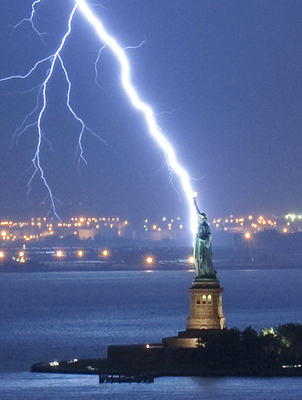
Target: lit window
(209, 299)
(204, 299)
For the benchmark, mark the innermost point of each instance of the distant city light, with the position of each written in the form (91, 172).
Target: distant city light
(247, 235)
(191, 260)
(80, 253)
(105, 253)
(59, 253)
(2, 254)
(149, 260)
(38, 229)
(54, 364)
(21, 257)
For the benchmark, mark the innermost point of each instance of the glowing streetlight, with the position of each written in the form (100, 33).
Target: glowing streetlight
(21, 258)
(105, 253)
(2, 254)
(149, 260)
(191, 260)
(59, 253)
(80, 253)
(247, 235)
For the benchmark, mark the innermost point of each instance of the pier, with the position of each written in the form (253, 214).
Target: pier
(119, 378)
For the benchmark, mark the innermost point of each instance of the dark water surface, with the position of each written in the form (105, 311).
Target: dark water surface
(66, 315)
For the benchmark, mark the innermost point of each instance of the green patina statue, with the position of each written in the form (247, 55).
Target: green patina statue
(203, 248)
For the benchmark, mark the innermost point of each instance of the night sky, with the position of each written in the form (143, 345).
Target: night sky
(224, 78)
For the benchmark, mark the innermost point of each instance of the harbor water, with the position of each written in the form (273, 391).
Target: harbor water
(48, 316)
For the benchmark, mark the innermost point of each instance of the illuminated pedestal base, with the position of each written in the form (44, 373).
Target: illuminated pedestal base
(206, 305)
(206, 315)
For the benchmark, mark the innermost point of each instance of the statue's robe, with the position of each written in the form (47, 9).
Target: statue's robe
(203, 252)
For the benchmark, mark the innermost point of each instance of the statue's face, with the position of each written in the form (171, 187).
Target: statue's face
(202, 218)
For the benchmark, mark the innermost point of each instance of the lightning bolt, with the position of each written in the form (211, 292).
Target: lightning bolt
(41, 106)
(144, 108)
(31, 18)
(108, 42)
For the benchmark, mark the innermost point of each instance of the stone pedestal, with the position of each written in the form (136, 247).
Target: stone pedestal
(206, 316)
(206, 305)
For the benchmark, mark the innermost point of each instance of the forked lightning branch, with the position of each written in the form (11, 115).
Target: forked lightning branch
(35, 117)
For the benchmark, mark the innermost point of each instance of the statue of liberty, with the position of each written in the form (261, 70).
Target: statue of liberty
(203, 248)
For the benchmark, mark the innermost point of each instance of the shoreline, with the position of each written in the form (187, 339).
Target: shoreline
(83, 367)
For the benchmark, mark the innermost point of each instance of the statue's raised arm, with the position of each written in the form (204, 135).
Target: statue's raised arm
(203, 248)
(196, 206)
